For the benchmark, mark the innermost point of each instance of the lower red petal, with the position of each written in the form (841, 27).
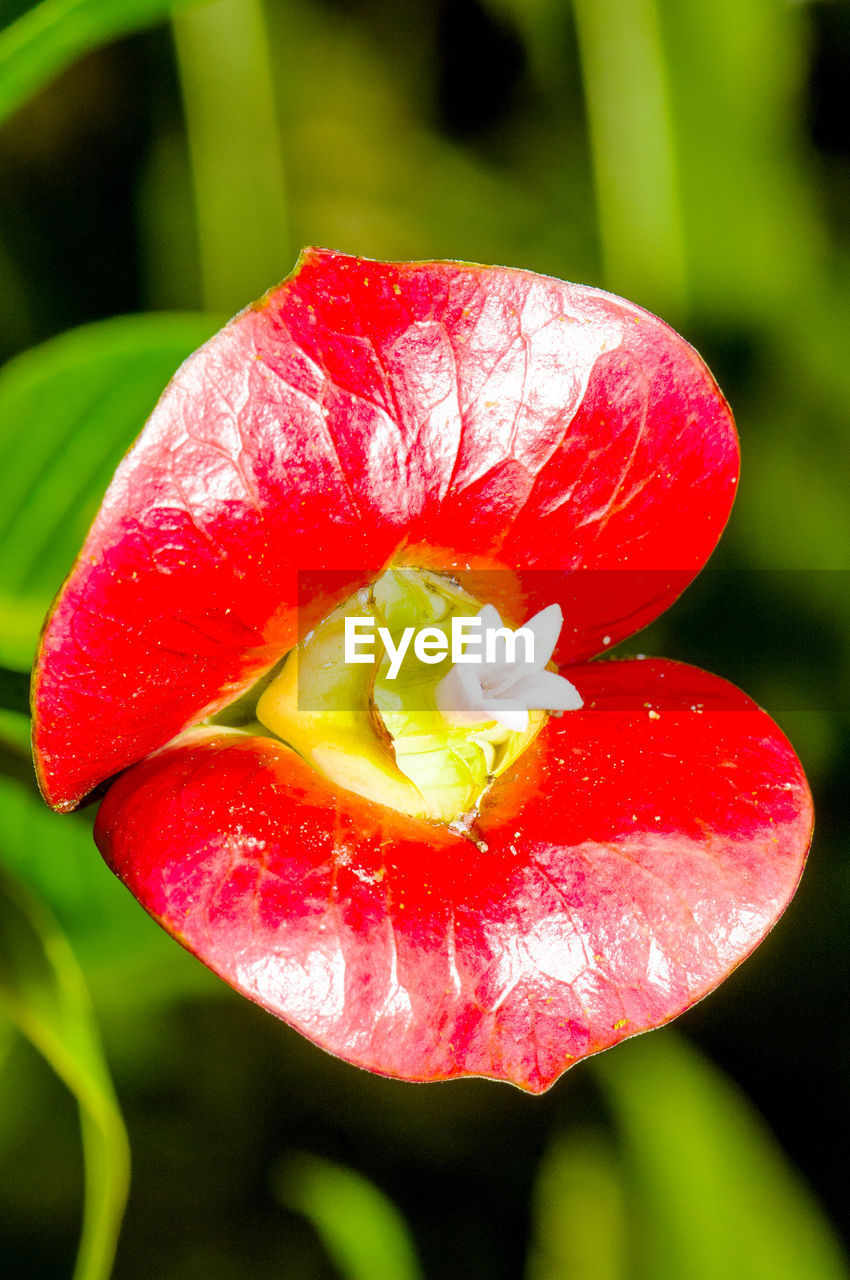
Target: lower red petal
(625, 865)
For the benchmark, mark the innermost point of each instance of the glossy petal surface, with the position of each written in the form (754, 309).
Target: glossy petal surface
(434, 414)
(630, 860)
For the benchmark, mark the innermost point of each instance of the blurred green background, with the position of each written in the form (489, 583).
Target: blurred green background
(163, 163)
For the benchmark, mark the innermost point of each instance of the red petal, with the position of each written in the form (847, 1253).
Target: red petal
(448, 415)
(633, 858)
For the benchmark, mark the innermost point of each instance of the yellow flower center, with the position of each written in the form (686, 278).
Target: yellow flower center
(364, 713)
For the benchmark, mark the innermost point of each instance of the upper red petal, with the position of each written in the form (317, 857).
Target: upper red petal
(625, 865)
(441, 414)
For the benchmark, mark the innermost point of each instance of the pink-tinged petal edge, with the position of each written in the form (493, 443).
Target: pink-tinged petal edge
(630, 860)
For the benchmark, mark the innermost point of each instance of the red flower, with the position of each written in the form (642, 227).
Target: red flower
(464, 420)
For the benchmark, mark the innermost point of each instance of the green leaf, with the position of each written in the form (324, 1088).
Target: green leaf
(57, 859)
(42, 990)
(69, 409)
(127, 959)
(709, 1191)
(51, 35)
(361, 1229)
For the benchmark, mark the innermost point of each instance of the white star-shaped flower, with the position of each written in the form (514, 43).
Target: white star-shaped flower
(503, 690)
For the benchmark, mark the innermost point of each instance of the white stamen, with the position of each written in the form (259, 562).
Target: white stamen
(506, 691)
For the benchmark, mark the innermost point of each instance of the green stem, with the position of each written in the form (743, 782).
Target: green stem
(43, 991)
(235, 150)
(107, 1182)
(631, 135)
